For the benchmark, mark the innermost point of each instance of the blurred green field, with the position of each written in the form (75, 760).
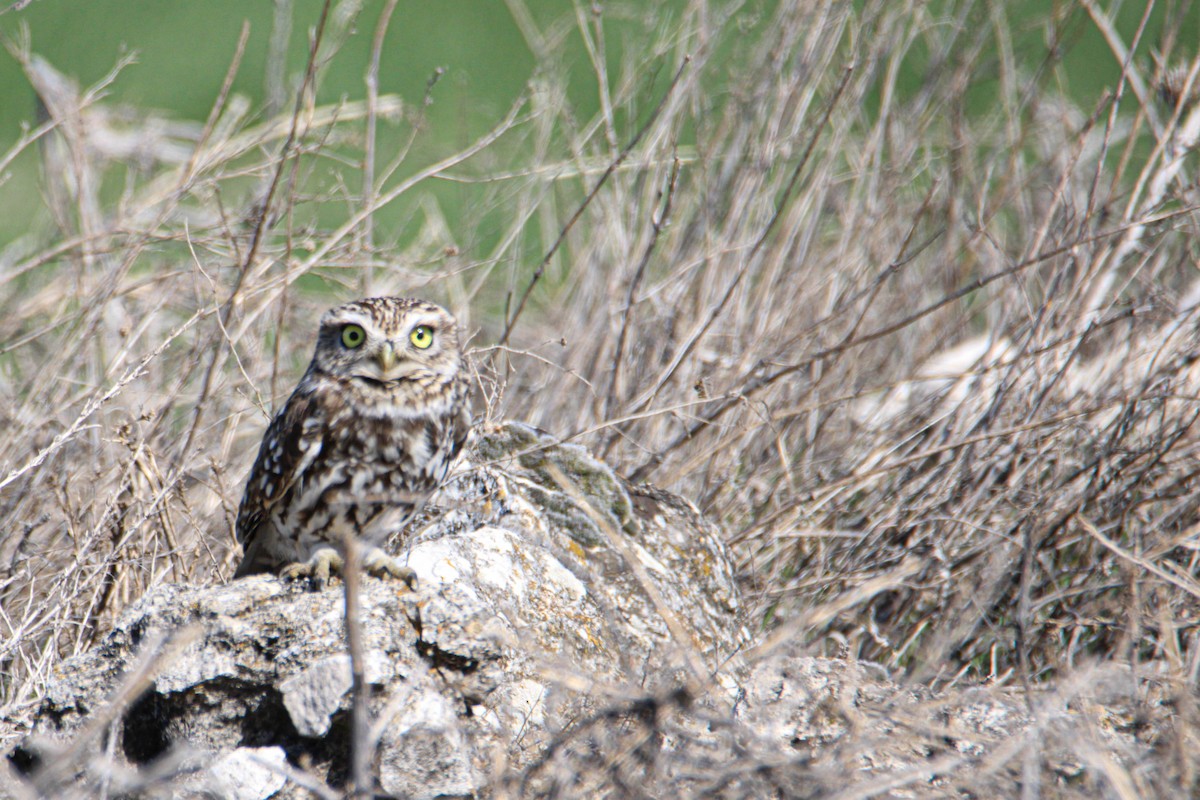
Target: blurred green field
(182, 51)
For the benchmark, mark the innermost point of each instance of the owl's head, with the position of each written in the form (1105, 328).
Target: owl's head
(387, 339)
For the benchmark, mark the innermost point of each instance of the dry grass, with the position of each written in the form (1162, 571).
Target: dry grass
(929, 359)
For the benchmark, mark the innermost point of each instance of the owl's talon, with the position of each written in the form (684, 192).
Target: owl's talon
(379, 564)
(325, 563)
(317, 569)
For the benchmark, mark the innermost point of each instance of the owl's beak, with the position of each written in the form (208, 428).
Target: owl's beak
(387, 357)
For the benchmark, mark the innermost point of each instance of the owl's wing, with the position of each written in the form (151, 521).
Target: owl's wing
(462, 417)
(292, 441)
(446, 434)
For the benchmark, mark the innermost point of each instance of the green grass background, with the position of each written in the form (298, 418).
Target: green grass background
(183, 50)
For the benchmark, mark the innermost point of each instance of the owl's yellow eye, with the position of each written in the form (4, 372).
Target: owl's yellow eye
(353, 336)
(421, 336)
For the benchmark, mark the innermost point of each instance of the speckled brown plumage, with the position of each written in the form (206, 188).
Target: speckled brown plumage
(365, 438)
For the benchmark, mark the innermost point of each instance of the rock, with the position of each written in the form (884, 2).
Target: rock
(577, 640)
(524, 607)
(315, 694)
(247, 773)
(423, 754)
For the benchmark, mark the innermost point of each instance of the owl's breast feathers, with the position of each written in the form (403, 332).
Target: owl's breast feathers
(326, 464)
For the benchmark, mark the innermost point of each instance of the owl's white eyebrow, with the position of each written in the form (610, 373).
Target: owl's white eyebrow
(355, 319)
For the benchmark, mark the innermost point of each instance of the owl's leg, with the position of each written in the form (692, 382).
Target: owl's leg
(381, 565)
(324, 562)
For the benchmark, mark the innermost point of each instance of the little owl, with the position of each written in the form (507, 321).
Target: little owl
(368, 434)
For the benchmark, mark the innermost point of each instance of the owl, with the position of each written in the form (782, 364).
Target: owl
(367, 435)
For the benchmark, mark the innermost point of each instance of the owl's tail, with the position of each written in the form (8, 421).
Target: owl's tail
(255, 560)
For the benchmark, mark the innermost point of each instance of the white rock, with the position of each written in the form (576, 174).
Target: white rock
(247, 773)
(422, 755)
(312, 696)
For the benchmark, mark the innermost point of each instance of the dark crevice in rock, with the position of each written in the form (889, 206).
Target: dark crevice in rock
(25, 760)
(332, 752)
(267, 723)
(144, 734)
(440, 659)
(137, 631)
(156, 721)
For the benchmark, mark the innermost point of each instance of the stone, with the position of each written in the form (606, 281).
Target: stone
(312, 696)
(564, 640)
(521, 594)
(247, 773)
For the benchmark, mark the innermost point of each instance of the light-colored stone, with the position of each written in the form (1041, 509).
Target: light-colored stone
(312, 696)
(247, 773)
(423, 754)
(523, 606)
